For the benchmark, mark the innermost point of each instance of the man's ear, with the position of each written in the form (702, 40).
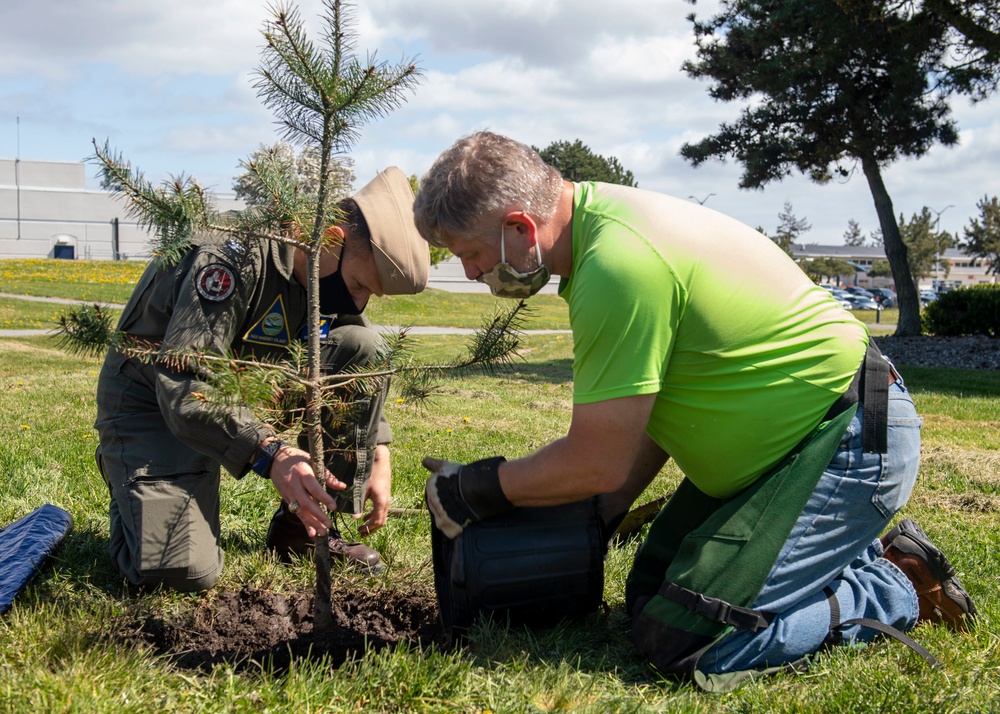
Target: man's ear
(523, 223)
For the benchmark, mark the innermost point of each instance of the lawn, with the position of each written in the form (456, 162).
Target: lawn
(65, 645)
(108, 282)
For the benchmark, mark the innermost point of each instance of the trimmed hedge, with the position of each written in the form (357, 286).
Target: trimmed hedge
(973, 310)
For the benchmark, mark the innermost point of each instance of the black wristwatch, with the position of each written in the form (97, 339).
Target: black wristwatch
(265, 457)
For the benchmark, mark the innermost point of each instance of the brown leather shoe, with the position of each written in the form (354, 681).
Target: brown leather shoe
(940, 595)
(287, 536)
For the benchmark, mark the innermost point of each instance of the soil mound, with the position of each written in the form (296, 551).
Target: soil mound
(253, 627)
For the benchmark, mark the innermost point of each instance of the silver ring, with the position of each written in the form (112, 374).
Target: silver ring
(293, 507)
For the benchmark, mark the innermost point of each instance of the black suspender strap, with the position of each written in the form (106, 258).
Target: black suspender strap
(836, 630)
(717, 610)
(870, 386)
(875, 398)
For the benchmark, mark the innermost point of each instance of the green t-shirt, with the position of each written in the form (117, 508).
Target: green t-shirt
(743, 351)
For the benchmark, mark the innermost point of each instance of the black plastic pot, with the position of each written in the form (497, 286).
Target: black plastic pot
(534, 566)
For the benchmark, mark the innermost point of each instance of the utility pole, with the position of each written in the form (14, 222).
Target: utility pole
(17, 175)
(937, 238)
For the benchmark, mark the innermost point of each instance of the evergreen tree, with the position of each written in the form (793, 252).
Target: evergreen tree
(924, 244)
(322, 95)
(830, 87)
(880, 269)
(302, 170)
(853, 235)
(576, 162)
(820, 268)
(971, 31)
(790, 228)
(982, 237)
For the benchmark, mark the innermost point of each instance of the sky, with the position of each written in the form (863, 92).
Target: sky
(170, 86)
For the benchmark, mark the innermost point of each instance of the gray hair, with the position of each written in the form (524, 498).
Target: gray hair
(479, 179)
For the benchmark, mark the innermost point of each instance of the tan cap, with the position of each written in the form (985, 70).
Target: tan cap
(401, 255)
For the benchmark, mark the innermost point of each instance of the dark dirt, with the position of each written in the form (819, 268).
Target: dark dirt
(251, 627)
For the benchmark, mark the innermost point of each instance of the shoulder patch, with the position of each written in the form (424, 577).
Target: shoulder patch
(272, 328)
(236, 247)
(215, 282)
(324, 329)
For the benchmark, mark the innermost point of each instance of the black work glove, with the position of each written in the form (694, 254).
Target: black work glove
(457, 495)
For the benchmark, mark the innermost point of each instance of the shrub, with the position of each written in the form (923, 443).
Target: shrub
(968, 311)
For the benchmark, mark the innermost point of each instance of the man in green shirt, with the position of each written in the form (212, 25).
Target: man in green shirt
(694, 336)
(161, 447)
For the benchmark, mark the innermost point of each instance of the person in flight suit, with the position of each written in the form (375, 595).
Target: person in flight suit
(161, 447)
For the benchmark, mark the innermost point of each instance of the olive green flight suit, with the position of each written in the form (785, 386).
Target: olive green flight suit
(160, 450)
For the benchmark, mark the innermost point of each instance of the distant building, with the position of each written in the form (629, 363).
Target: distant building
(955, 269)
(46, 212)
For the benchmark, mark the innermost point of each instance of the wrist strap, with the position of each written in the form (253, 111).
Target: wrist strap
(265, 457)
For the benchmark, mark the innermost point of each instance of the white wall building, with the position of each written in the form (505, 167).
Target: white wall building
(955, 269)
(46, 211)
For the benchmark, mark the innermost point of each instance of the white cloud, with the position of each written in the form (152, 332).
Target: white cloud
(170, 85)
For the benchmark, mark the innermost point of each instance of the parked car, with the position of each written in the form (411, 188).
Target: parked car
(855, 290)
(841, 299)
(861, 302)
(927, 296)
(884, 296)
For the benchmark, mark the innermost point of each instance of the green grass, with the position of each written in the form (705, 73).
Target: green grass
(86, 280)
(112, 282)
(27, 315)
(57, 652)
(437, 308)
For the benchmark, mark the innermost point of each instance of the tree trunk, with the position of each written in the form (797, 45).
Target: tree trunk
(895, 251)
(322, 605)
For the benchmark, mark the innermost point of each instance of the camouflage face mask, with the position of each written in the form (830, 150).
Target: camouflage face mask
(506, 282)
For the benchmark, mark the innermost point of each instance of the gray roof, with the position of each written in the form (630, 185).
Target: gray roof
(846, 252)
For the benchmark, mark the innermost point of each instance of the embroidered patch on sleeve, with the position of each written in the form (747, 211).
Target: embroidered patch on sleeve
(271, 328)
(324, 329)
(215, 282)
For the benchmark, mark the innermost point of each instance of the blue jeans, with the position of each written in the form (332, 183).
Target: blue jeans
(834, 543)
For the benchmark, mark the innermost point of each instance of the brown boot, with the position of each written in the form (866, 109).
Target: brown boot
(287, 536)
(939, 593)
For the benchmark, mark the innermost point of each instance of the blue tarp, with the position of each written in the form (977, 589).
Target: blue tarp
(25, 545)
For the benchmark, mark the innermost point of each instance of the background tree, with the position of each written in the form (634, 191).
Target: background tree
(853, 235)
(826, 267)
(300, 170)
(972, 65)
(790, 228)
(880, 269)
(924, 244)
(576, 162)
(830, 86)
(982, 237)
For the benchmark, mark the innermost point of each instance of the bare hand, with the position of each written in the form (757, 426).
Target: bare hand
(378, 492)
(295, 481)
